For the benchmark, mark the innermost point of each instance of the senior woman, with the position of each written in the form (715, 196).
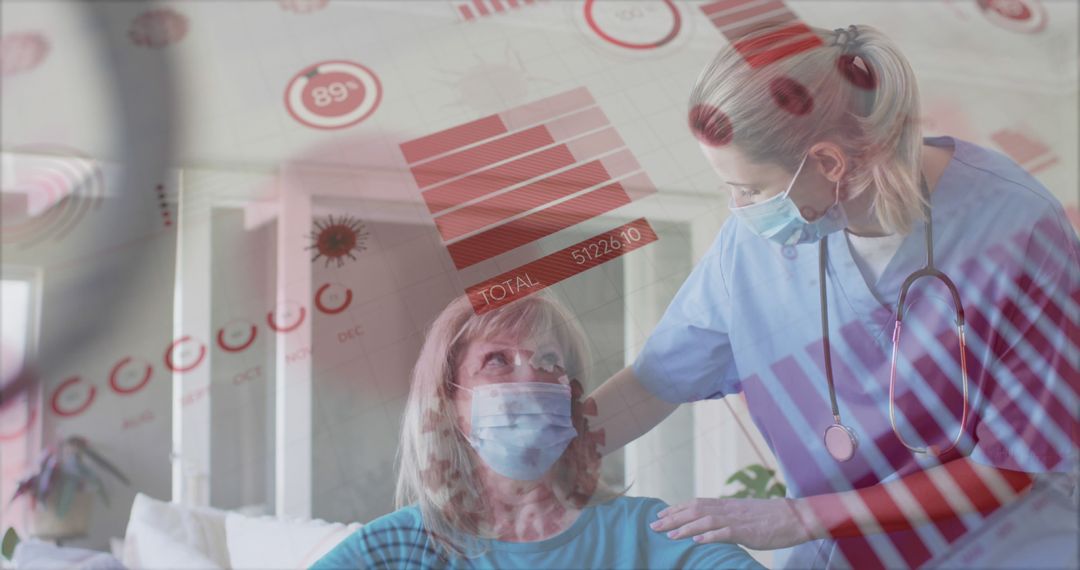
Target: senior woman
(497, 466)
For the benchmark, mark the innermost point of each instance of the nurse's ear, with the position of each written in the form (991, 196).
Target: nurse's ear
(830, 162)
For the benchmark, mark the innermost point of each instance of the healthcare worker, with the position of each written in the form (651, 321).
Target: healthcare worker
(900, 313)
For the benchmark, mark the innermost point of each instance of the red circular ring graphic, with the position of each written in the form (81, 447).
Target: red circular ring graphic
(230, 348)
(327, 310)
(675, 28)
(289, 328)
(55, 401)
(169, 352)
(294, 91)
(302, 6)
(1025, 16)
(116, 371)
(23, 430)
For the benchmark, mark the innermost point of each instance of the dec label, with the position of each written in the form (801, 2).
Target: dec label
(350, 334)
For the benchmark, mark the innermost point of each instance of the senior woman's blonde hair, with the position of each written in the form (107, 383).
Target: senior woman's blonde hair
(859, 93)
(436, 462)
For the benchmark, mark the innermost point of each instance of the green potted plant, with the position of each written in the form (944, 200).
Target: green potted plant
(755, 480)
(60, 489)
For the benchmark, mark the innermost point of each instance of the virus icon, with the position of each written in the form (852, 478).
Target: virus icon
(495, 81)
(21, 52)
(335, 239)
(158, 28)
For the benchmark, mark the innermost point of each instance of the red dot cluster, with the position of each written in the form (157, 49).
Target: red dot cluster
(791, 96)
(166, 215)
(710, 125)
(859, 76)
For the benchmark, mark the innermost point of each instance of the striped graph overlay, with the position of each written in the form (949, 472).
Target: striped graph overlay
(507, 180)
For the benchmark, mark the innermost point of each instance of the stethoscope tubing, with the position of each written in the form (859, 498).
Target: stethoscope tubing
(929, 271)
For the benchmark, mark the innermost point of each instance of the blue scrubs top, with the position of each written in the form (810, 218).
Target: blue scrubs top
(611, 535)
(747, 320)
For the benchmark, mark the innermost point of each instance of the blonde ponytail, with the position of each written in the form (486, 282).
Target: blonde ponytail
(860, 94)
(892, 126)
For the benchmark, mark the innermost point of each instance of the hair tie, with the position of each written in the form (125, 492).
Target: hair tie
(846, 38)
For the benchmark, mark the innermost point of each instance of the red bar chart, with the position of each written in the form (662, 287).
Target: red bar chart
(510, 179)
(1027, 151)
(737, 18)
(473, 9)
(563, 264)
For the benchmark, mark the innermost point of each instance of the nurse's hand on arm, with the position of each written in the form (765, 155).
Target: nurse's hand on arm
(626, 410)
(765, 524)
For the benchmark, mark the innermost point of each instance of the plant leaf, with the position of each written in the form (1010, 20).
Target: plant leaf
(760, 470)
(93, 478)
(25, 485)
(101, 461)
(755, 481)
(46, 474)
(11, 539)
(67, 493)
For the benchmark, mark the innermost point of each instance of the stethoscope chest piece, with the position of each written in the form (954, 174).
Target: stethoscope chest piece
(840, 442)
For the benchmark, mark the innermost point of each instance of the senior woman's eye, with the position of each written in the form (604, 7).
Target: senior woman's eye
(547, 361)
(496, 359)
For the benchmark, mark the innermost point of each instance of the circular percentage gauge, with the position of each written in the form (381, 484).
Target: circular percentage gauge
(129, 375)
(333, 298)
(287, 317)
(72, 397)
(184, 354)
(237, 335)
(11, 427)
(333, 95)
(21, 52)
(1024, 16)
(302, 6)
(632, 26)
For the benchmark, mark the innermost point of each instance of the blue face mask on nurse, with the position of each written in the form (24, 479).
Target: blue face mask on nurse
(780, 219)
(790, 207)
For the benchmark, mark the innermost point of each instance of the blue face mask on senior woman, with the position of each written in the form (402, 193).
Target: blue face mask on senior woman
(780, 220)
(520, 429)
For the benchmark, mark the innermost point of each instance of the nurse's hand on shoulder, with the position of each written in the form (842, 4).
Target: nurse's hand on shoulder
(761, 524)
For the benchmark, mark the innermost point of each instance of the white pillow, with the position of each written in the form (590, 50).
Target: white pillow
(39, 555)
(167, 535)
(159, 550)
(116, 547)
(266, 543)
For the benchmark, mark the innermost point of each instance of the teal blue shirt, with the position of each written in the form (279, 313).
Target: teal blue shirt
(615, 534)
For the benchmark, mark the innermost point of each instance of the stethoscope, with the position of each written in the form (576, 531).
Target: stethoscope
(840, 440)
